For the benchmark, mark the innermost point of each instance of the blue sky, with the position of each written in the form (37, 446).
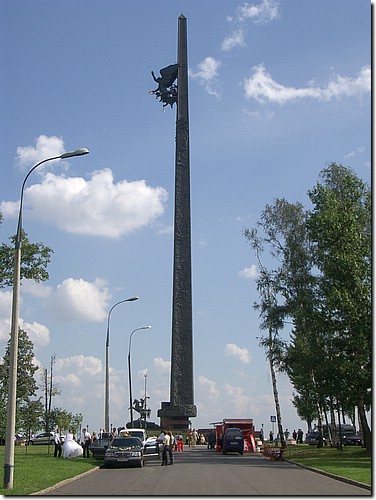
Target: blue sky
(276, 90)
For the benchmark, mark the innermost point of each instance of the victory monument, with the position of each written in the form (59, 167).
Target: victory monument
(175, 414)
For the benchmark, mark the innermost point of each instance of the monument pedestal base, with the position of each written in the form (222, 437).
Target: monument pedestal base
(176, 417)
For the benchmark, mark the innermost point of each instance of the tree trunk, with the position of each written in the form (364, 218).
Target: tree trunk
(366, 431)
(276, 401)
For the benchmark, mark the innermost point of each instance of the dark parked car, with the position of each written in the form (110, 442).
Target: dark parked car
(352, 439)
(125, 451)
(233, 440)
(313, 438)
(99, 447)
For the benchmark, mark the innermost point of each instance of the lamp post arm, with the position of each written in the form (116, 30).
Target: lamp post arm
(19, 224)
(129, 371)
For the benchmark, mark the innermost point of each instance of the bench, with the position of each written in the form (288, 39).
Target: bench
(274, 453)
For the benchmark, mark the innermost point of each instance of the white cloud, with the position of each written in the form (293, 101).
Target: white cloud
(240, 403)
(207, 73)
(81, 365)
(5, 314)
(166, 229)
(233, 40)
(263, 13)
(210, 386)
(355, 152)
(97, 206)
(241, 353)
(38, 334)
(261, 87)
(79, 300)
(35, 289)
(45, 147)
(249, 272)
(162, 365)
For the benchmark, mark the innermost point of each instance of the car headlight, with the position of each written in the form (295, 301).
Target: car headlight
(136, 454)
(109, 453)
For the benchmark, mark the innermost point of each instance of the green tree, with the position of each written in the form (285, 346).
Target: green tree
(322, 276)
(30, 416)
(339, 227)
(26, 384)
(61, 418)
(271, 315)
(34, 260)
(282, 234)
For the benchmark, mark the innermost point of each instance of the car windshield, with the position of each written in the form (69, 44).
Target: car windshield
(126, 442)
(101, 441)
(138, 434)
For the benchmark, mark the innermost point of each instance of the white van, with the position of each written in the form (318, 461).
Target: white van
(139, 433)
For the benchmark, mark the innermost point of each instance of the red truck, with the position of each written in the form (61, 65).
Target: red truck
(244, 424)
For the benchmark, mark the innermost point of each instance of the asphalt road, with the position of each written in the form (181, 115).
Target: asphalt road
(200, 471)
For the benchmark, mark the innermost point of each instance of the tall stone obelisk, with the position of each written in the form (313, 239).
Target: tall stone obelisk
(181, 406)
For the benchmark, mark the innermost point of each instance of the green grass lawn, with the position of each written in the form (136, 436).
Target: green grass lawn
(352, 462)
(36, 468)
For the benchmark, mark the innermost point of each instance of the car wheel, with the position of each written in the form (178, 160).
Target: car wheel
(142, 463)
(241, 453)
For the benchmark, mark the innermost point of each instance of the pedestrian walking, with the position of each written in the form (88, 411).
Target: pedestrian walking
(57, 441)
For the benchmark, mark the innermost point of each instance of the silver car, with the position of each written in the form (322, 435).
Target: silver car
(43, 438)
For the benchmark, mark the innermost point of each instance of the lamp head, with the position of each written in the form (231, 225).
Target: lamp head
(77, 152)
(131, 299)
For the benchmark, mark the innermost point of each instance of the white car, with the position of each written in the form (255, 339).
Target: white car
(138, 433)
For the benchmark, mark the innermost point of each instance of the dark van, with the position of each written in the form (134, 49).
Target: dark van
(233, 440)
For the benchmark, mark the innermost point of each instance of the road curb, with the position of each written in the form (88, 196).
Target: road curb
(62, 483)
(333, 476)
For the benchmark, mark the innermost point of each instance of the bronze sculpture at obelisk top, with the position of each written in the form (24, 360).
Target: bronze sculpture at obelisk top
(175, 413)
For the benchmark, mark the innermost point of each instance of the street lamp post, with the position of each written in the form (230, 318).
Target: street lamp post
(129, 371)
(13, 349)
(107, 383)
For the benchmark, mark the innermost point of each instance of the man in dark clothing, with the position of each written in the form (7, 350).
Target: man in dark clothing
(57, 440)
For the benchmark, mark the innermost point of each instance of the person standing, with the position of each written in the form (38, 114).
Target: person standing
(171, 448)
(166, 446)
(300, 436)
(86, 442)
(57, 441)
(71, 447)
